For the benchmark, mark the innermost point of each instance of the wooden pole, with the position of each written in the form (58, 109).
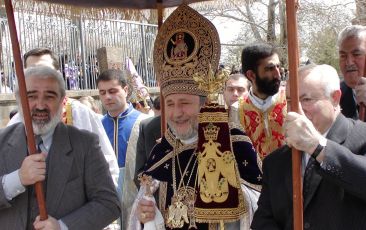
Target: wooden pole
(162, 104)
(293, 56)
(24, 102)
(361, 114)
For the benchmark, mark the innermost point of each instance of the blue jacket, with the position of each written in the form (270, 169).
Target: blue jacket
(120, 127)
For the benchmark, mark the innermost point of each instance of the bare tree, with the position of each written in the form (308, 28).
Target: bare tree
(360, 12)
(259, 19)
(319, 25)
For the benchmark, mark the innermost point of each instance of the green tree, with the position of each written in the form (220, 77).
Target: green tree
(322, 48)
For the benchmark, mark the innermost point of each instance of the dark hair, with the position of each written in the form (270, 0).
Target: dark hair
(252, 54)
(113, 74)
(40, 52)
(12, 113)
(156, 103)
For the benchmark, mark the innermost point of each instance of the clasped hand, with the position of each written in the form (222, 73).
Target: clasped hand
(300, 133)
(33, 169)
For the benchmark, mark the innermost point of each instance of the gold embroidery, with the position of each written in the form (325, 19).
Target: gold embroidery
(68, 112)
(215, 168)
(265, 139)
(186, 44)
(240, 138)
(213, 117)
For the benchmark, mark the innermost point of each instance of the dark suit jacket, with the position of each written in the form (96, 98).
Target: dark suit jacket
(150, 131)
(348, 103)
(80, 190)
(337, 197)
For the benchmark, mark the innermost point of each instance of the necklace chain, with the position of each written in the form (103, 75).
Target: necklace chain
(175, 188)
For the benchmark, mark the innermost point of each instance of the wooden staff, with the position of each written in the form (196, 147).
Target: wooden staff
(162, 104)
(293, 50)
(24, 102)
(361, 114)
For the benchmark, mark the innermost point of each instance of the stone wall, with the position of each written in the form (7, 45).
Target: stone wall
(7, 104)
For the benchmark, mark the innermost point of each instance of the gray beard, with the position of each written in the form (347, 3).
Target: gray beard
(192, 133)
(41, 129)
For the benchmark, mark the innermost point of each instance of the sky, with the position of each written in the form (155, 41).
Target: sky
(228, 29)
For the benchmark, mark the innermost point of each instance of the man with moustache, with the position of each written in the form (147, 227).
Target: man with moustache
(74, 112)
(79, 190)
(352, 52)
(263, 109)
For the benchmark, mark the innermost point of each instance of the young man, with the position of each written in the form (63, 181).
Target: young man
(262, 111)
(352, 52)
(121, 124)
(333, 161)
(78, 187)
(235, 87)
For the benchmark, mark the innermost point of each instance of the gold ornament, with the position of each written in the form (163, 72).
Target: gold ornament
(187, 43)
(211, 83)
(177, 213)
(216, 169)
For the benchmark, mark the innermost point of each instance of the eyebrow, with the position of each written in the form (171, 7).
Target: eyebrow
(352, 51)
(48, 91)
(273, 64)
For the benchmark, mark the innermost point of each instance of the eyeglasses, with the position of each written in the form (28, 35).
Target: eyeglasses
(306, 101)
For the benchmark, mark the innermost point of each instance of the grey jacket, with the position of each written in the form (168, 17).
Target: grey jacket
(79, 188)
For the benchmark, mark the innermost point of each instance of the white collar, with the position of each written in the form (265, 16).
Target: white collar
(261, 104)
(47, 139)
(190, 140)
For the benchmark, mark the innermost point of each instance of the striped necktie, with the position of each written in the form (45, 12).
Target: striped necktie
(39, 142)
(308, 175)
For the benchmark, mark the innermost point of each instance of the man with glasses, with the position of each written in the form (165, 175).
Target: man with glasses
(333, 150)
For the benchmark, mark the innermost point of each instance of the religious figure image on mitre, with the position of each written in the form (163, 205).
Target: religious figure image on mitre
(180, 47)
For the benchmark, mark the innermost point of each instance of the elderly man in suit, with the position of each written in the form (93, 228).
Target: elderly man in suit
(75, 113)
(79, 190)
(333, 154)
(352, 51)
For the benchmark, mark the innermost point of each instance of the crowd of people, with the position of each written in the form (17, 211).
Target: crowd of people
(215, 166)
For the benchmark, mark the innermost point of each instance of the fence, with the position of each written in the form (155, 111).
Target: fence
(75, 41)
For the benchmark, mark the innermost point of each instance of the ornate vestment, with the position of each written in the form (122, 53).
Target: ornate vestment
(160, 164)
(264, 127)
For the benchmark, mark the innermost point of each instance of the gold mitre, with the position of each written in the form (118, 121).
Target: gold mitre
(187, 44)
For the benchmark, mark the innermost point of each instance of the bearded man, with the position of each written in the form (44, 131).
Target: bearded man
(79, 190)
(263, 109)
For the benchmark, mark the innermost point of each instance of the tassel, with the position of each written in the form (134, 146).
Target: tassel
(222, 225)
